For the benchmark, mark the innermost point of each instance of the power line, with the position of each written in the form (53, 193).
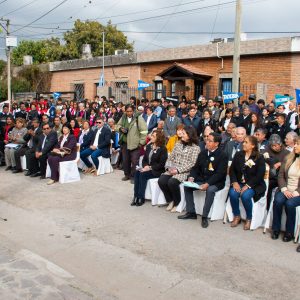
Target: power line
(45, 14)
(19, 8)
(3, 1)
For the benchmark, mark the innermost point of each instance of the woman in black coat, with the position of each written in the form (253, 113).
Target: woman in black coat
(247, 173)
(85, 136)
(67, 143)
(153, 166)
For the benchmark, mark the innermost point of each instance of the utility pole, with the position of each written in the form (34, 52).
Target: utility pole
(237, 46)
(103, 56)
(8, 61)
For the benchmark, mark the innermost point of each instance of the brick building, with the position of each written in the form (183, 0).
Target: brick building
(267, 67)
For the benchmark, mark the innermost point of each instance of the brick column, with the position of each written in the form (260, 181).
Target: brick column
(190, 84)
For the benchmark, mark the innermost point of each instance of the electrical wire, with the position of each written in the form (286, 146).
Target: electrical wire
(45, 14)
(3, 1)
(19, 8)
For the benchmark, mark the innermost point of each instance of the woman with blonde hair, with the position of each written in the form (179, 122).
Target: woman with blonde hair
(288, 194)
(175, 138)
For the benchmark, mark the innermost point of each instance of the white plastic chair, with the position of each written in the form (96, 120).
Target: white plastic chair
(104, 166)
(269, 218)
(23, 162)
(258, 211)
(114, 157)
(297, 224)
(218, 207)
(68, 170)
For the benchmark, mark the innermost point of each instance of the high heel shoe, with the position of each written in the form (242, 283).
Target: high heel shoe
(236, 221)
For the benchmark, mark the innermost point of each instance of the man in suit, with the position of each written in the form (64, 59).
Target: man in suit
(38, 160)
(171, 123)
(210, 173)
(260, 135)
(100, 146)
(31, 138)
(246, 117)
(150, 119)
(280, 127)
(236, 145)
(22, 113)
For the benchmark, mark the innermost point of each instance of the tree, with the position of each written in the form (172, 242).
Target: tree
(2, 67)
(41, 51)
(89, 32)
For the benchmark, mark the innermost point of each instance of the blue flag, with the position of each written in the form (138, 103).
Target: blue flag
(142, 84)
(56, 95)
(229, 96)
(101, 80)
(297, 96)
(281, 99)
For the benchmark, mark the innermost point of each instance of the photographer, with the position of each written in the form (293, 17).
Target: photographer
(133, 131)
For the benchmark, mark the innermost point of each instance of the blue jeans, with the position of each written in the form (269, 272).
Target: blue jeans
(140, 183)
(94, 155)
(290, 208)
(246, 198)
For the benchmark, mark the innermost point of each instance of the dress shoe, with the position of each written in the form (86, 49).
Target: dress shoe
(188, 216)
(204, 222)
(8, 168)
(133, 202)
(287, 237)
(35, 174)
(236, 221)
(247, 225)
(13, 169)
(51, 181)
(17, 171)
(298, 249)
(170, 206)
(28, 173)
(275, 235)
(140, 201)
(43, 177)
(125, 178)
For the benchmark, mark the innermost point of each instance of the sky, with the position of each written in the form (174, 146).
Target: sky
(154, 24)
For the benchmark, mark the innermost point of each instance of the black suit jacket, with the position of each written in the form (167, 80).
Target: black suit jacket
(245, 121)
(201, 171)
(212, 124)
(50, 142)
(254, 176)
(104, 141)
(158, 160)
(35, 139)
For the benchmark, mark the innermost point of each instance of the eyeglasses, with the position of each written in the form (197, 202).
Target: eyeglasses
(98, 122)
(206, 136)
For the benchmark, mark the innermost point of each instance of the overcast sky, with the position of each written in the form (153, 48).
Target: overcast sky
(217, 17)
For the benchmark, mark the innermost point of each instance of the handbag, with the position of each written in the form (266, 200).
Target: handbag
(62, 152)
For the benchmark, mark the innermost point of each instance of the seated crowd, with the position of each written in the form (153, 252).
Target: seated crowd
(202, 144)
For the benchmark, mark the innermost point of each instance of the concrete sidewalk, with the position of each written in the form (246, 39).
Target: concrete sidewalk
(101, 248)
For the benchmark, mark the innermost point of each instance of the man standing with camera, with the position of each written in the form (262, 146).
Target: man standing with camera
(133, 131)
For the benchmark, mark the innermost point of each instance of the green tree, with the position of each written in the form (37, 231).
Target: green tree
(2, 67)
(90, 32)
(41, 51)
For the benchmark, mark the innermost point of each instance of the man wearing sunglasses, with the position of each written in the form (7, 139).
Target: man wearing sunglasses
(100, 146)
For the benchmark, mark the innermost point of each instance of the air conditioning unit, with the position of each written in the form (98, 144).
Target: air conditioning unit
(121, 52)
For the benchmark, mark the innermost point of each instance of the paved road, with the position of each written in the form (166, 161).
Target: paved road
(84, 241)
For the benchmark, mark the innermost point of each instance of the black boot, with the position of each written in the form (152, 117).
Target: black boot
(140, 202)
(134, 201)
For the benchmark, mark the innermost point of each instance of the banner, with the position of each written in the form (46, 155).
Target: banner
(142, 84)
(230, 96)
(297, 96)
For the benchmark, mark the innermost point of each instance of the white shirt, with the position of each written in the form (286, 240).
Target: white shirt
(97, 137)
(65, 137)
(129, 120)
(148, 119)
(44, 141)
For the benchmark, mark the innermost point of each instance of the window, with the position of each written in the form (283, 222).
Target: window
(158, 89)
(79, 91)
(226, 85)
(121, 84)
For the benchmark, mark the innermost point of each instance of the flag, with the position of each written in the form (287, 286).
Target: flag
(229, 96)
(56, 95)
(281, 99)
(142, 84)
(297, 96)
(101, 80)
